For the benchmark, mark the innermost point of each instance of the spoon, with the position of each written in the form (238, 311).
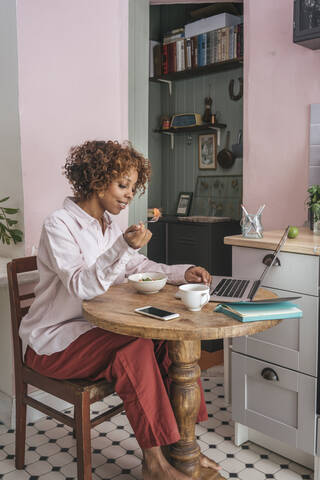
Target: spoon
(153, 219)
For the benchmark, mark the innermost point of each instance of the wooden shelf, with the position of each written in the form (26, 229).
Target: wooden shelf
(206, 127)
(199, 128)
(213, 67)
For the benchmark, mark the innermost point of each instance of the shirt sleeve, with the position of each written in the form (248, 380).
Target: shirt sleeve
(139, 263)
(61, 252)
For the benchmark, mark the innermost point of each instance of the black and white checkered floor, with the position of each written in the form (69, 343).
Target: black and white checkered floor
(51, 449)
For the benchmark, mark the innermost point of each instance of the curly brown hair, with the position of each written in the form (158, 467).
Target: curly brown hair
(94, 165)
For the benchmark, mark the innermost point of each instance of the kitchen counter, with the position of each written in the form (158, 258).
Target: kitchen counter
(194, 219)
(306, 242)
(282, 415)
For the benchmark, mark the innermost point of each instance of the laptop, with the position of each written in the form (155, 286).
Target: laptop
(235, 290)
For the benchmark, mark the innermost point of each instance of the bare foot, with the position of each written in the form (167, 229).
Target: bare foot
(208, 463)
(156, 467)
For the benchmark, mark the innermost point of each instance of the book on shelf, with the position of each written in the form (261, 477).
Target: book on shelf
(172, 38)
(251, 312)
(157, 61)
(180, 60)
(201, 50)
(194, 52)
(152, 45)
(187, 51)
(173, 35)
(165, 62)
(224, 40)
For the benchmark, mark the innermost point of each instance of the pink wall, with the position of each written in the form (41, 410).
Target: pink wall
(281, 80)
(73, 86)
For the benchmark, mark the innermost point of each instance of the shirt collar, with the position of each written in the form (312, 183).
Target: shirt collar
(82, 217)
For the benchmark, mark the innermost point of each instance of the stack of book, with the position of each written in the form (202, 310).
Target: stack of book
(253, 312)
(177, 53)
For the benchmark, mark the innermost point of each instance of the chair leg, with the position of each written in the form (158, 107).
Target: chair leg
(21, 417)
(83, 436)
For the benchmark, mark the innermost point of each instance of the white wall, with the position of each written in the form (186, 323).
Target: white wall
(10, 167)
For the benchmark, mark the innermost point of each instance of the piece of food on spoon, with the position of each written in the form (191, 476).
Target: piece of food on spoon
(156, 212)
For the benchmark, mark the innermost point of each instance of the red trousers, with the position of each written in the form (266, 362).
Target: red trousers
(139, 368)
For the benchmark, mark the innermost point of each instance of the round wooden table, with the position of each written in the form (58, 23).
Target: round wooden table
(114, 311)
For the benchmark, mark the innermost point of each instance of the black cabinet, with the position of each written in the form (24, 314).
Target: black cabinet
(189, 243)
(306, 23)
(157, 244)
(177, 242)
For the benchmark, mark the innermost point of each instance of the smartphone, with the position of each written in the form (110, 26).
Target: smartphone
(157, 313)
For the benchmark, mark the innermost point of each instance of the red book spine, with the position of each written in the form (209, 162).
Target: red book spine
(165, 62)
(171, 57)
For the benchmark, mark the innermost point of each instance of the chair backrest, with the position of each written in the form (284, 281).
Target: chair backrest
(19, 303)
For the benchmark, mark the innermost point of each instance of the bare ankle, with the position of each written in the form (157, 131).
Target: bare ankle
(156, 467)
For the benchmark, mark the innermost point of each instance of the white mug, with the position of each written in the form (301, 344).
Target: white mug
(194, 296)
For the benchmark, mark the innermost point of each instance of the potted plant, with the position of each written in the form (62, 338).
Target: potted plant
(313, 203)
(8, 232)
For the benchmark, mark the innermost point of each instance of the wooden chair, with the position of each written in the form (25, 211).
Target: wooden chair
(80, 393)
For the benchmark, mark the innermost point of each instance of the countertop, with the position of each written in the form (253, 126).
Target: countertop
(306, 242)
(23, 278)
(194, 219)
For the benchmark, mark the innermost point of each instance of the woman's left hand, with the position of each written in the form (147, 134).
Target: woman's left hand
(197, 275)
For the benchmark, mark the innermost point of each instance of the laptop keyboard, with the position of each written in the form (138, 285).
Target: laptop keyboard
(228, 287)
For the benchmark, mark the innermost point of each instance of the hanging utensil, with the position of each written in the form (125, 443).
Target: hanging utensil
(237, 148)
(225, 157)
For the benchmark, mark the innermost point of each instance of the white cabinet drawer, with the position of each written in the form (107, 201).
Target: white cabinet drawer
(293, 343)
(283, 409)
(297, 272)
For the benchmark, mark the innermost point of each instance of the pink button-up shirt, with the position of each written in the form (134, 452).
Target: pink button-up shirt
(76, 262)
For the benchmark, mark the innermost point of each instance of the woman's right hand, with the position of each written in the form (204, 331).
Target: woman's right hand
(137, 236)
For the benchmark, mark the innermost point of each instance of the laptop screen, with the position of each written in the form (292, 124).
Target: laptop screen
(276, 252)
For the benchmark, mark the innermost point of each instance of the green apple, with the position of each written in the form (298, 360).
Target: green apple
(293, 232)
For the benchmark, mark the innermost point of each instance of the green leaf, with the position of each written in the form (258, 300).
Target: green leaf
(11, 222)
(7, 233)
(16, 232)
(11, 211)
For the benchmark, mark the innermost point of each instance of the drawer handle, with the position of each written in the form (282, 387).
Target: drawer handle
(269, 374)
(267, 260)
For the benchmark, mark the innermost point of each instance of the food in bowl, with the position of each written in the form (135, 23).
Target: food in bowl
(148, 282)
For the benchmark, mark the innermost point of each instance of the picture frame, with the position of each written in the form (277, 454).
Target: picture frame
(184, 204)
(208, 151)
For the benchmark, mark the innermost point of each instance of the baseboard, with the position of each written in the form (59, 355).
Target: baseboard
(281, 448)
(8, 407)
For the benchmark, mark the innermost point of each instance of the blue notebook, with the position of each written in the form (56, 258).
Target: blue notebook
(251, 312)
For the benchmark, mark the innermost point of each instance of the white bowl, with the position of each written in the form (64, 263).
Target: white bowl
(139, 281)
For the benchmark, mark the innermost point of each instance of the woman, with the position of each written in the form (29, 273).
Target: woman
(81, 254)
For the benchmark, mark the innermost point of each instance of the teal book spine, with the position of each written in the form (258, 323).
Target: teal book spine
(254, 313)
